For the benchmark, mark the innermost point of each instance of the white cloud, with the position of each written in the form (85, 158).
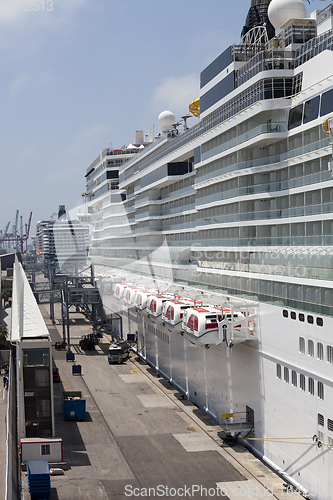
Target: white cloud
(175, 94)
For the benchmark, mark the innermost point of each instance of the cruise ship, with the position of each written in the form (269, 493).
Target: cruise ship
(214, 242)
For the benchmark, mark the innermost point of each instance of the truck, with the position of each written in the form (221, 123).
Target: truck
(118, 352)
(73, 405)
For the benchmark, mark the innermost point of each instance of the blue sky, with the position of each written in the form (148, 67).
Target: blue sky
(88, 73)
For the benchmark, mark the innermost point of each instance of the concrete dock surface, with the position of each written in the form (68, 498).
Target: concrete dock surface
(140, 438)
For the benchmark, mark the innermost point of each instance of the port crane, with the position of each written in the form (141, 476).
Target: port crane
(18, 238)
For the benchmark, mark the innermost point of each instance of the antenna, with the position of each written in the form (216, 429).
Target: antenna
(185, 118)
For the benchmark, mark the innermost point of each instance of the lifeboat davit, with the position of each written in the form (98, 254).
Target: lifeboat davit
(155, 306)
(120, 290)
(201, 324)
(173, 313)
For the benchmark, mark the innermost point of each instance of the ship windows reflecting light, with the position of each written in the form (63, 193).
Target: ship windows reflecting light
(286, 375)
(278, 371)
(320, 351)
(320, 390)
(294, 378)
(301, 345)
(302, 382)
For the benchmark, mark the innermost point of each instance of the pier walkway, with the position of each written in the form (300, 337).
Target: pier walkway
(141, 439)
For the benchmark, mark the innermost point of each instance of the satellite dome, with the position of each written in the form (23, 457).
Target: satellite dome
(166, 119)
(281, 11)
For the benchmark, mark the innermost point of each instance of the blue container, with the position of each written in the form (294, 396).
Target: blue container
(39, 479)
(70, 356)
(73, 406)
(76, 369)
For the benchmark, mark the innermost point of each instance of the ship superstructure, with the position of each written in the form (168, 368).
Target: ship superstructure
(237, 213)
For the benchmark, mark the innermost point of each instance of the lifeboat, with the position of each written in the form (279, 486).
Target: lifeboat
(141, 300)
(130, 295)
(155, 306)
(120, 290)
(201, 324)
(173, 313)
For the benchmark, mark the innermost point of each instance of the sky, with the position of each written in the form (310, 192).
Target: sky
(78, 76)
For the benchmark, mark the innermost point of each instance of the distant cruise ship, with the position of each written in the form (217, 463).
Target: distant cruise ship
(218, 242)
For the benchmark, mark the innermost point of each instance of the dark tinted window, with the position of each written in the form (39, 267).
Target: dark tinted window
(311, 109)
(278, 85)
(285, 313)
(293, 315)
(301, 317)
(310, 320)
(326, 103)
(112, 174)
(215, 67)
(295, 116)
(220, 90)
(320, 321)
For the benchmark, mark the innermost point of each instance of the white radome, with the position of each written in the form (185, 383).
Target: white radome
(166, 119)
(281, 11)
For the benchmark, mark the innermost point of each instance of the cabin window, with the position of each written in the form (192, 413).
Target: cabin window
(330, 354)
(301, 317)
(311, 348)
(320, 351)
(320, 321)
(285, 313)
(320, 390)
(294, 378)
(302, 382)
(321, 420)
(286, 375)
(310, 319)
(301, 345)
(311, 386)
(293, 315)
(278, 371)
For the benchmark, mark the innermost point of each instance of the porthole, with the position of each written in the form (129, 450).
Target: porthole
(285, 313)
(301, 317)
(320, 321)
(310, 320)
(293, 315)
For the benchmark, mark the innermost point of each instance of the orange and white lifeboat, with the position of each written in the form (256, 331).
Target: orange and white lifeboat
(155, 306)
(173, 313)
(130, 295)
(120, 290)
(201, 324)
